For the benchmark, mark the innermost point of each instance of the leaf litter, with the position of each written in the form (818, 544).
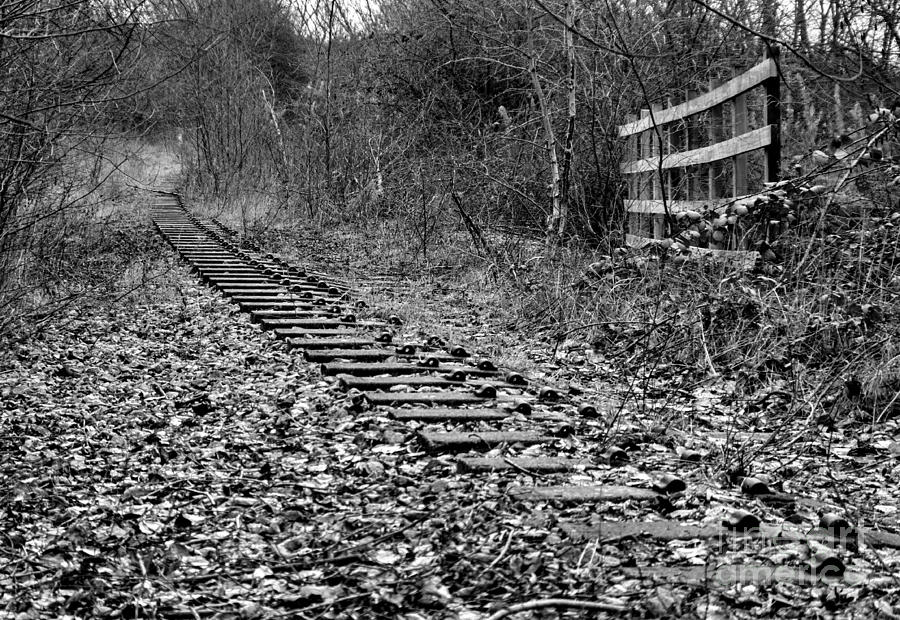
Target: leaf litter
(169, 460)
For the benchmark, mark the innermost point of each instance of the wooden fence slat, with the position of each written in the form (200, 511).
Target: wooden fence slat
(646, 225)
(743, 258)
(735, 147)
(657, 218)
(657, 151)
(729, 90)
(739, 128)
(676, 206)
(739, 124)
(672, 175)
(631, 152)
(714, 133)
(690, 173)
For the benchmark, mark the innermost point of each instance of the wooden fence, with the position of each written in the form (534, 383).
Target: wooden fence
(681, 158)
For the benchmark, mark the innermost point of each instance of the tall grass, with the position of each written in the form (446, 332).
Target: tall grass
(86, 238)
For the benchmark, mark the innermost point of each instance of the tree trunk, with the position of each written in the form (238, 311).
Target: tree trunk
(801, 32)
(326, 119)
(282, 151)
(769, 19)
(557, 227)
(555, 195)
(835, 7)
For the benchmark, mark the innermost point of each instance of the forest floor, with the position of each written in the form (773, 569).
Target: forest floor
(162, 457)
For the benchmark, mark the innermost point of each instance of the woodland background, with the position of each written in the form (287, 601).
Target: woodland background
(482, 136)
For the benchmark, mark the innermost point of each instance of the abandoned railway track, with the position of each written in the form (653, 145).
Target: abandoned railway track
(551, 444)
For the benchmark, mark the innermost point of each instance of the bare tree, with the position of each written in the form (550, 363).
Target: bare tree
(68, 71)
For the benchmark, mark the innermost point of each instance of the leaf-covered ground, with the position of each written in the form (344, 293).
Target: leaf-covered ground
(164, 458)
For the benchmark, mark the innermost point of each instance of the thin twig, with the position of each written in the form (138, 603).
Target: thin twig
(521, 469)
(499, 557)
(558, 602)
(326, 604)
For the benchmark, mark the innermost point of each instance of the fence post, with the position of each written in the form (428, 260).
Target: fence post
(691, 173)
(646, 138)
(714, 169)
(632, 153)
(658, 219)
(773, 117)
(673, 145)
(739, 126)
(657, 150)
(714, 135)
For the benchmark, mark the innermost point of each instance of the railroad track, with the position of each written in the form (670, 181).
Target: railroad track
(467, 410)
